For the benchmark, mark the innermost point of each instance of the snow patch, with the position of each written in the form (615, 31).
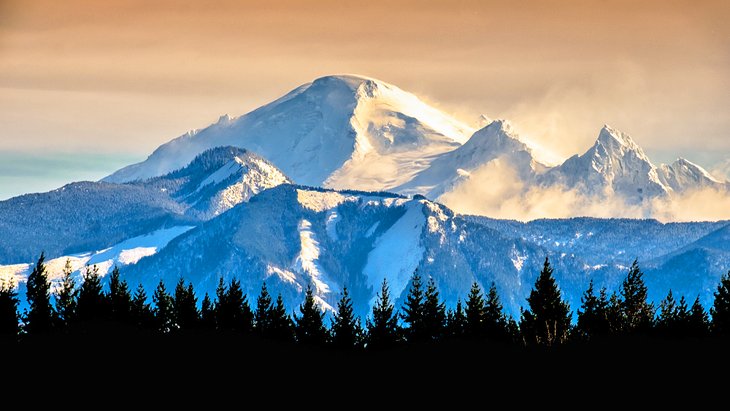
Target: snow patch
(284, 275)
(372, 229)
(331, 224)
(322, 201)
(307, 261)
(397, 252)
(518, 260)
(222, 174)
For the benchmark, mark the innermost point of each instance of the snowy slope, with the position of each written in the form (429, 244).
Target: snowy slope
(338, 131)
(287, 237)
(123, 254)
(497, 140)
(93, 215)
(683, 175)
(615, 165)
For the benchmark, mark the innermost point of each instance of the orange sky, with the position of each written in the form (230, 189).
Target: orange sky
(125, 76)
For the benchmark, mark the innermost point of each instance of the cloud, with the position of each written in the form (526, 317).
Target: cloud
(495, 190)
(721, 170)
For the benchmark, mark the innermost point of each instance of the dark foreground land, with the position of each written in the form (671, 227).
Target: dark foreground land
(248, 356)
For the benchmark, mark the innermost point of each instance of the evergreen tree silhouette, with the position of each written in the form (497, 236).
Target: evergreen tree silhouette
(310, 329)
(262, 316)
(475, 312)
(593, 314)
(638, 312)
(667, 320)
(207, 313)
(140, 311)
(720, 310)
(682, 318)
(164, 314)
(120, 299)
(615, 315)
(66, 297)
(698, 323)
(8, 312)
(547, 322)
(281, 325)
(382, 328)
(91, 303)
(185, 306)
(413, 311)
(346, 329)
(494, 321)
(456, 321)
(434, 313)
(39, 318)
(233, 313)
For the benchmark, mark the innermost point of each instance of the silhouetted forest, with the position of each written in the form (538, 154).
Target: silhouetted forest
(90, 308)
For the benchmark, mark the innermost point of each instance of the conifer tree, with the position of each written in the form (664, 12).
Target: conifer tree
(413, 311)
(495, 322)
(220, 306)
(667, 319)
(382, 328)
(164, 314)
(185, 306)
(66, 297)
(681, 315)
(310, 327)
(207, 313)
(615, 314)
(281, 325)
(233, 312)
(91, 303)
(475, 312)
(593, 314)
(8, 312)
(346, 329)
(39, 317)
(141, 313)
(120, 300)
(434, 313)
(456, 321)
(720, 310)
(698, 323)
(262, 316)
(637, 311)
(547, 322)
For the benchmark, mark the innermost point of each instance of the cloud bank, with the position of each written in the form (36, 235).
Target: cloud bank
(495, 190)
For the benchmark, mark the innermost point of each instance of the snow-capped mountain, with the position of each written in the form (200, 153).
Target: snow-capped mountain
(291, 236)
(497, 140)
(204, 206)
(338, 131)
(86, 216)
(615, 165)
(354, 132)
(683, 175)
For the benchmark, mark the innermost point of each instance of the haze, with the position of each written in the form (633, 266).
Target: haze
(87, 86)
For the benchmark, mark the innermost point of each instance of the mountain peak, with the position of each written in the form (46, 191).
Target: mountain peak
(355, 82)
(688, 172)
(610, 136)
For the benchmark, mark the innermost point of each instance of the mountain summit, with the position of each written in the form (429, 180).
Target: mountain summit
(616, 165)
(338, 131)
(355, 132)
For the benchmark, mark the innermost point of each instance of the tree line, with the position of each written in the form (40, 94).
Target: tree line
(76, 309)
